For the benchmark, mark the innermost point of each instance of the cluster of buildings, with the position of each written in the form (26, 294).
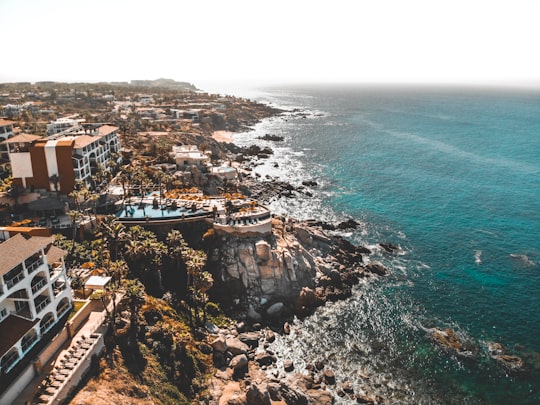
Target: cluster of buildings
(57, 162)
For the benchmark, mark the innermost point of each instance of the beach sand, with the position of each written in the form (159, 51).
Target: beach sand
(223, 136)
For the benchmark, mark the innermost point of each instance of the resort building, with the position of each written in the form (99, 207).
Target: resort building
(62, 124)
(35, 294)
(6, 131)
(189, 155)
(57, 162)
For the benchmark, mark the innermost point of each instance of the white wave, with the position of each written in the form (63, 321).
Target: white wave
(523, 258)
(478, 256)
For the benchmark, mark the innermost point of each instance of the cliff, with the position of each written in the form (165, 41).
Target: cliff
(298, 267)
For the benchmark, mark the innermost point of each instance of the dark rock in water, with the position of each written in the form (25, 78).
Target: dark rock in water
(269, 335)
(319, 364)
(510, 362)
(329, 377)
(364, 399)
(309, 183)
(286, 328)
(347, 387)
(447, 339)
(349, 224)
(288, 365)
(269, 137)
(377, 268)
(363, 250)
(389, 247)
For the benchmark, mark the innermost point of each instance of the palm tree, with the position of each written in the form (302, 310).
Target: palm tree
(135, 295)
(75, 216)
(201, 281)
(113, 232)
(118, 270)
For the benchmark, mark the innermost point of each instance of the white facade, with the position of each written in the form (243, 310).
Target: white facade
(189, 155)
(62, 124)
(6, 131)
(34, 294)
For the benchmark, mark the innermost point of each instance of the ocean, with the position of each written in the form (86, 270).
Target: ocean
(452, 176)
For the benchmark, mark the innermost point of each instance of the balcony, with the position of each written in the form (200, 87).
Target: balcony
(32, 266)
(28, 342)
(55, 271)
(41, 302)
(14, 280)
(24, 312)
(38, 285)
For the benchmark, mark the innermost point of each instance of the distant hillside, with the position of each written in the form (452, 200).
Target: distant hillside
(169, 83)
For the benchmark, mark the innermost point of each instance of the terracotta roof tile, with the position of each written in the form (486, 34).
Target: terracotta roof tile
(22, 138)
(18, 248)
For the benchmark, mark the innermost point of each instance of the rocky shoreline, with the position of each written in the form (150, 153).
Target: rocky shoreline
(275, 279)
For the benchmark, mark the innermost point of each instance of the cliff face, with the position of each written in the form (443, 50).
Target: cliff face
(295, 260)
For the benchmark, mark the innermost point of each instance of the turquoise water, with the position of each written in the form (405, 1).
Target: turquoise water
(453, 177)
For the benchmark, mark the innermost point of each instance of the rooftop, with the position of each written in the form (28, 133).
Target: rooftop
(22, 138)
(18, 248)
(17, 327)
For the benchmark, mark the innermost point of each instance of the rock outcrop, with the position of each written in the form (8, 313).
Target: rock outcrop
(294, 269)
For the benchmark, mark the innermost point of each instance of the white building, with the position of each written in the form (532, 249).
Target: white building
(189, 155)
(62, 124)
(6, 131)
(35, 294)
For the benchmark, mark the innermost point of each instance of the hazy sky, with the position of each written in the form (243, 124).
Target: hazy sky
(208, 41)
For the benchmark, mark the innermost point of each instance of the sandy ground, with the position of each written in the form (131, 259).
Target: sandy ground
(223, 136)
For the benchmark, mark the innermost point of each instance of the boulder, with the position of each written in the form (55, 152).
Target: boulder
(265, 358)
(235, 346)
(239, 363)
(275, 310)
(349, 224)
(232, 395)
(329, 377)
(320, 397)
(288, 365)
(257, 394)
(510, 362)
(252, 314)
(447, 339)
(389, 247)
(269, 335)
(377, 268)
(347, 387)
(286, 328)
(250, 338)
(219, 344)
